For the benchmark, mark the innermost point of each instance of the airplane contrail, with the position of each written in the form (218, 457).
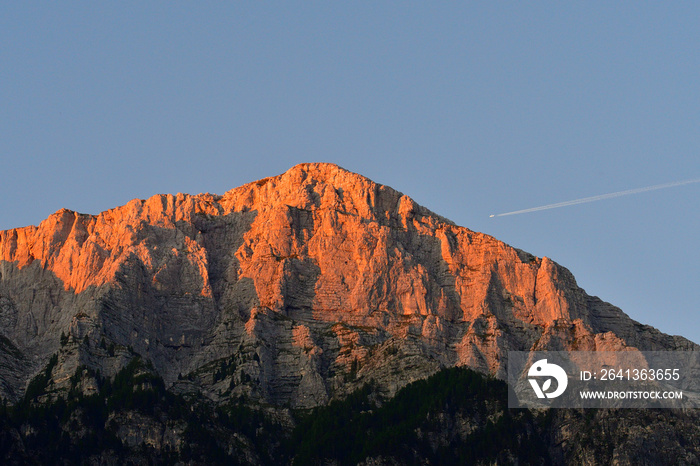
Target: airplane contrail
(599, 197)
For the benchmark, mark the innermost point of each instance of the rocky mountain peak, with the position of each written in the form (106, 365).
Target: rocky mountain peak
(293, 289)
(325, 186)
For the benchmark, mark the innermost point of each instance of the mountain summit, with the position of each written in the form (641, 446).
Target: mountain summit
(282, 294)
(307, 276)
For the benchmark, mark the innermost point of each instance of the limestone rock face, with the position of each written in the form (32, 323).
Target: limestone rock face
(292, 289)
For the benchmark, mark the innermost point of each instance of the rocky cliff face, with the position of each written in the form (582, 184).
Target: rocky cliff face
(195, 329)
(292, 290)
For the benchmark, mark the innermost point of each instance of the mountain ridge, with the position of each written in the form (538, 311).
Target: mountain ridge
(318, 272)
(219, 328)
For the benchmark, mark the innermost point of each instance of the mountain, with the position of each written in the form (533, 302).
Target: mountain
(277, 297)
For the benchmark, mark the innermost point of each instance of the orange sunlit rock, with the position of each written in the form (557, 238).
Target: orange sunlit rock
(313, 269)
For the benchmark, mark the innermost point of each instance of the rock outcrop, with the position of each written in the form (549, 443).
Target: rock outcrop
(293, 290)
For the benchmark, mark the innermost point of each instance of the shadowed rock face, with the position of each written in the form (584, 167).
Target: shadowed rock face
(291, 289)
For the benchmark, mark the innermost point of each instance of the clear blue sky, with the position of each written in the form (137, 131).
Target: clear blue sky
(472, 109)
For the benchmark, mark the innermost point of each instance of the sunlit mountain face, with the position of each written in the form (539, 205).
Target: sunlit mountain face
(291, 315)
